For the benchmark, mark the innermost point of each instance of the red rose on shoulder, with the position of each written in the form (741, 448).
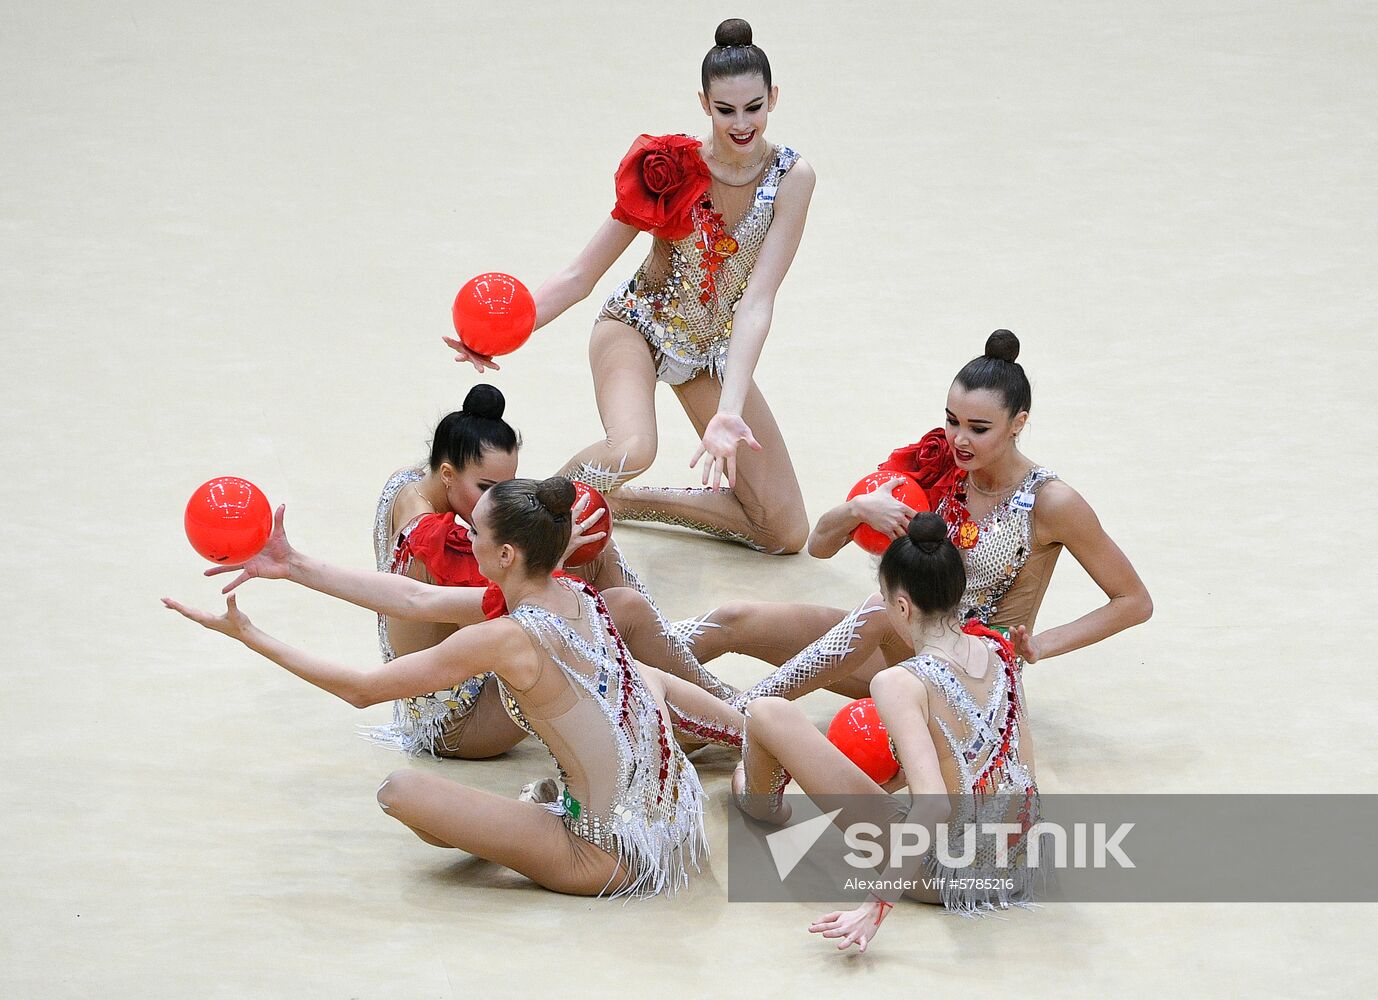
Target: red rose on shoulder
(658, 183)
(929, 461)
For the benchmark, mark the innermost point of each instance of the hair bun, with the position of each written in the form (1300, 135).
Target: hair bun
(485, 401)
(733, 31)
(927, 530)
(1003, 346)
(556, 495)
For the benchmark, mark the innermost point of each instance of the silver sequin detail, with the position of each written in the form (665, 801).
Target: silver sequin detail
(810, 667)
(653, 826)
(982, 885)
(417, 723)
(688, 335)
(686, 495)
(1001, 550)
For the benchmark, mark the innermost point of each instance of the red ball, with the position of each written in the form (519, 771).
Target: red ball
(589, 552)
(494, 314)
(858, 732)
(228, 520)
(909, 493)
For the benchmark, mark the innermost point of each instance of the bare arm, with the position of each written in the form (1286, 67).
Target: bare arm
(880, 509)
(565, 287)
(389, 593)
(750, 324)
(902, 701)
(466, 653)
(833, 531)
(574, 282)
(751, 321)
(1061, 515)
(385, 593)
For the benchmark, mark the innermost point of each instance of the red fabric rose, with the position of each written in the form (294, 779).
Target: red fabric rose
(658, 183)
(929, 461)
(442, 544)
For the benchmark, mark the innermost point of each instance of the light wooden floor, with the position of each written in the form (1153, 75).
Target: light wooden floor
(229, 235)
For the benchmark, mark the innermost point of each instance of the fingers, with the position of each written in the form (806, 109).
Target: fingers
(217, 570)
(244, 577)
(200, 617)
(231, 604)
(717, 472)
(824, 922)
(731, 470)
(751, 441)
(698, 454)
(890, 485)
(591, 520)
(279, 517)
(582, 505)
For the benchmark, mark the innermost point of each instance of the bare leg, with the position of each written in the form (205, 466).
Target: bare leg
(765, 507)
(780, 736)
(522, 836)
(624, 383)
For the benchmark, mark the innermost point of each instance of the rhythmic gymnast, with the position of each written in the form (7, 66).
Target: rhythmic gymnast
(726, 214)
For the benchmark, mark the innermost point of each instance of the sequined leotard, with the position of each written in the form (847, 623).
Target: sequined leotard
(989, 776)
(422, 723)
(1006, 580)
(1003, 552)
(683, 296)
(628, 788)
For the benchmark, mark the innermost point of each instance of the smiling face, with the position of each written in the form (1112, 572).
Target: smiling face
(979, 428)
(739, 106)
(464, 487)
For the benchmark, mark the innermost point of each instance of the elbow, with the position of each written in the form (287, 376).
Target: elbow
(818, 546)
(578, 282)
(357, 693)
(1140, 607)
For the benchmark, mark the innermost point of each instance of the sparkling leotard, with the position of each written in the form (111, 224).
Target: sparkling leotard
(974, 728)
(419, 723)
(683, 296)
(1004, 548)
(628, 788)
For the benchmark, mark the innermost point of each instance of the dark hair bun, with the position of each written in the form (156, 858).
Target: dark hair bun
(1003, 346)
(928, 530)
(733, 31)
(485, 401)
(556, 495)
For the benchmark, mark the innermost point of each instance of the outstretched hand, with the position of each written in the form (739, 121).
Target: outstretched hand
(462, 353)
(883, 511)
(579, 534)
(233, 623)
(720, 440)
(273, 561)
(854, 927)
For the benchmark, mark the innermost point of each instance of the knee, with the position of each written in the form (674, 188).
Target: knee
(731, 616)
(396, 789)
(765, 714)
(634, 450)
(786, 536)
